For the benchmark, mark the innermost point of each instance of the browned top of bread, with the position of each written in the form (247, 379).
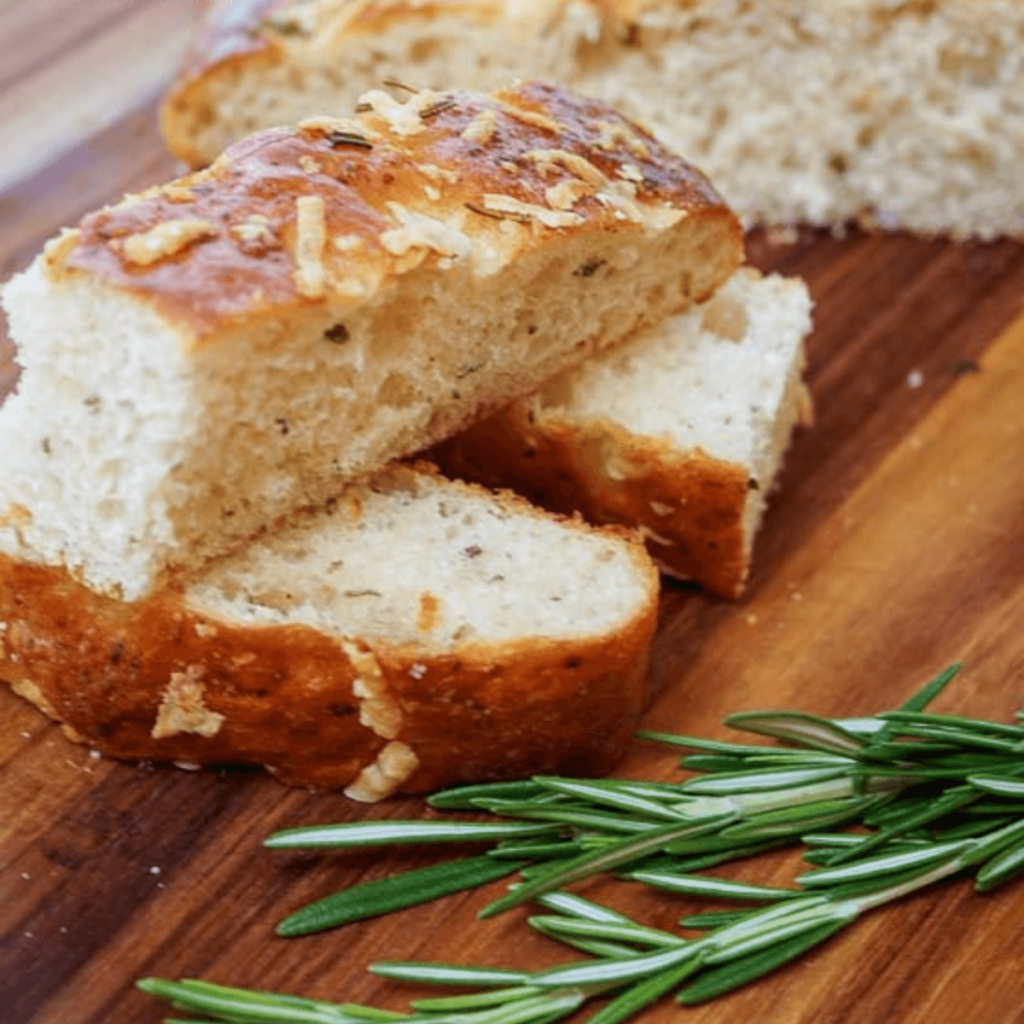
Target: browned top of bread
(234, 239)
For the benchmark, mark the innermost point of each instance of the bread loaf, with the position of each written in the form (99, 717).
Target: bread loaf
(893, 113)
(680, 432)
(413, 633)
(217, 352)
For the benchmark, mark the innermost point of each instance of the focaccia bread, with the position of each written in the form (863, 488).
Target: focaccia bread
(411, 634)
(681, 432)
(893, 113)
(217, 352)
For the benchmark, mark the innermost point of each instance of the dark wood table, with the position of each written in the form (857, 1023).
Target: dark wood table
(894, 546)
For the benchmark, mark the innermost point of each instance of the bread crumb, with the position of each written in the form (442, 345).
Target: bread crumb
(444, 175)
(310, 239)
(163, 240)
(182, 708)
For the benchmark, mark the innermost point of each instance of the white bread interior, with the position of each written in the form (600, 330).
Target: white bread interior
(681, 432)
(413, 633)
(143, 440)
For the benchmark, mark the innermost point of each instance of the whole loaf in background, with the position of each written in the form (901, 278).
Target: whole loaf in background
(892, 113)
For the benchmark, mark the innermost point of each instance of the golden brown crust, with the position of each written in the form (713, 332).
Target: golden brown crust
(154, 679)
(224, 271)
(689, 507)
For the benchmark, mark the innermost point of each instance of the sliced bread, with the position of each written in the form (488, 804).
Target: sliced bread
(217, 352)
(681, 432)
(895, 113)
(411, 634)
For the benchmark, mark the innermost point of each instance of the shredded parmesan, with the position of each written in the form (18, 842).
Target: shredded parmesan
(378, 710)
(403, 119)
(420, 231)
(630, 172)
(310, 239)
(164, 240)
(182, 708)
(177, 193)
(530, 211)
(482, 128)
(255, 230)
(309, 165)
(572, 162)
(394, 764)
(612, 133)
(443, 175)
(566, 194)
(534, 118)
(347, 243)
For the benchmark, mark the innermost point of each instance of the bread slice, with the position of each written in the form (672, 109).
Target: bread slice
(414, 633)
(222, 350)
(896, 114)
(681, 432)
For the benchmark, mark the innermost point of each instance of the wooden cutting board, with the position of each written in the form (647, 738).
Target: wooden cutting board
(894, 546)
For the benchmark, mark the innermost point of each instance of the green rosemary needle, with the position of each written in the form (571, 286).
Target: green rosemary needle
(933, 796)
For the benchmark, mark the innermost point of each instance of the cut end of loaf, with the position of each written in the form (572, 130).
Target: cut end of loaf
(893, 115)
(239, 343)
(417, 633)
(681, 432)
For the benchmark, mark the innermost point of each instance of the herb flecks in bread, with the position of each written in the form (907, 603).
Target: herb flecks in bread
(307, 651)
(680, 432)
(209, 355)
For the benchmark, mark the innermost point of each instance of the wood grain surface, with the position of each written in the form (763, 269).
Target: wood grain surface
(893, 547)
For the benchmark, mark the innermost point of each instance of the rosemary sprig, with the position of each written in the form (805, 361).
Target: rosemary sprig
(937, 795)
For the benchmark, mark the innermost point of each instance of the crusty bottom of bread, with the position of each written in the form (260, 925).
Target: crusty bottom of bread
(179, 677)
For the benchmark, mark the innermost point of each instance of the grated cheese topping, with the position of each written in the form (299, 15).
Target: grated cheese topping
(394, 764)
(165, 239)
(546, 159)
(417, 230)
(182, 708)
(403, 119)
(310, 239)
(534, 118)
(482, 128)
(566, 194)
(530, 211)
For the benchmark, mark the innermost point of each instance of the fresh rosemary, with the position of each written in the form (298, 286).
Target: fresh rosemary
(933, 796)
